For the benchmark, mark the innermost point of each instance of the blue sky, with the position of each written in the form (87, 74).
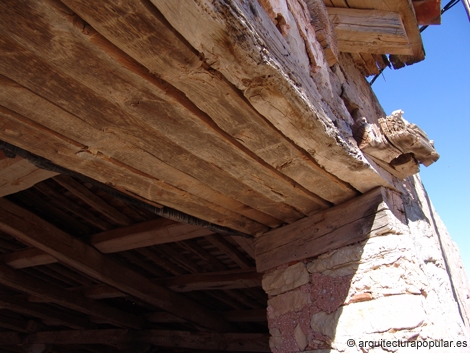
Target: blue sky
(435, 95)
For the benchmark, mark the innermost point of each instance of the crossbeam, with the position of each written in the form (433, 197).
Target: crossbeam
(374, 213)
(32, 230)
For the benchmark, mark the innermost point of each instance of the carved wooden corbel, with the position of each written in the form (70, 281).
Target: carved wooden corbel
(395, 144)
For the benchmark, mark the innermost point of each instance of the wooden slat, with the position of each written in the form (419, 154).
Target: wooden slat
(179, 121)
(302, 117)
(13, 322)
(193, 247)
(405, 9)
(228, 249)
(30, 229)
(234, 279)
(139, 235)
(354, 221)
(59, 200)
(17, 174)
(93, 200)
(324, 31)
(103, 169)
(170, 58)
(15, 279)
(369, 31)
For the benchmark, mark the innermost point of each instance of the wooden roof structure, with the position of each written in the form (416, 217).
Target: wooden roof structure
(146, 144)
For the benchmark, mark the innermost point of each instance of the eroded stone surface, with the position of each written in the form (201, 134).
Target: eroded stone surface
(283, 280)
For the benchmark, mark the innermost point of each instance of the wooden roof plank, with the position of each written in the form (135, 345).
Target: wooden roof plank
(103, 169)
(179, 119)
(17, 174)
(241, 35)
(30, 229)
(17, 280)
(369, 31)
(165, 54)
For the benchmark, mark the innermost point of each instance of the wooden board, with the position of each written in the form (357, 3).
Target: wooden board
(372, 214)
(241, 35)
(369, 31)
(17, 174)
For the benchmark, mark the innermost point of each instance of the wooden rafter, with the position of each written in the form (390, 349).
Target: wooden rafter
(17, 174)
(374, 213)
(138, 235)
(32, 230)
(19, 281)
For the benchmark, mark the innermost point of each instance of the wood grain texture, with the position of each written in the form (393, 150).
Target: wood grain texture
(269, 78)
(372, 214)
(180, 121)
(32, 230)
(369, 31)
(17, 174)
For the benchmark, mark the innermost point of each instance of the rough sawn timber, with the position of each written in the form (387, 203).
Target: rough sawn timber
(17, 174)
(240, 35)
(374, 213)
(32, 230)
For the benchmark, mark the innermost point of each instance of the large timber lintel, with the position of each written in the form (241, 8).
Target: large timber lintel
(377, 212)
(369, 31)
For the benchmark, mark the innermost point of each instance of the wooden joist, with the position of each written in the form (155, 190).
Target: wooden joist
(17, 174)
(179, 125)
(49, 314)
(254, 315)
(34, 286)
(375, 213)
(32, 230)
(138, 235)
(369, 31)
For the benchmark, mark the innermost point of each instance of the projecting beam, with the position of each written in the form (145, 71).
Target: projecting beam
(380, 211)
(17, 174)
(48, 314)
(32, 230)
(19, 281)
(206, 341)
(139, 235)
(369, 31)
(234, 279)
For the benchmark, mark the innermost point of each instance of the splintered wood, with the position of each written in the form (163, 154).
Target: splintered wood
(396, 144)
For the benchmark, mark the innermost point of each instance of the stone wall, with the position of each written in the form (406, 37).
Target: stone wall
(390, 287)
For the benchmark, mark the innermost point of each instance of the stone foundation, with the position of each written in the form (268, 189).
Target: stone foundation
(389, 287)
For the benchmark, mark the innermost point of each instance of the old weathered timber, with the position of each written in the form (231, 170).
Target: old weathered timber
(29, 228)
(17, 174)
(369, 31)
(369, 215)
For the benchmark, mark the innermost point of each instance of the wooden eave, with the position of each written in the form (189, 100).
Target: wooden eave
(113, 113)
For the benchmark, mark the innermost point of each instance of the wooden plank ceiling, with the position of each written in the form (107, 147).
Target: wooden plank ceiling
(194, 110)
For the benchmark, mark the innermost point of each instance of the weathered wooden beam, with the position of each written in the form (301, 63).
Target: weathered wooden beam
(228, 249)
(93, 200)
(369, 31)
(17, 174)
(378, 212)
(19, 281)
(302, 117)
(28, 228)
(48, 314)
(234, 279)
(207, 341)
(138, 235)
(16, 323)
(177, 64)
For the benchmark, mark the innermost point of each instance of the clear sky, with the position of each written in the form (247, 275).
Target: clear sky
(435, 95)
